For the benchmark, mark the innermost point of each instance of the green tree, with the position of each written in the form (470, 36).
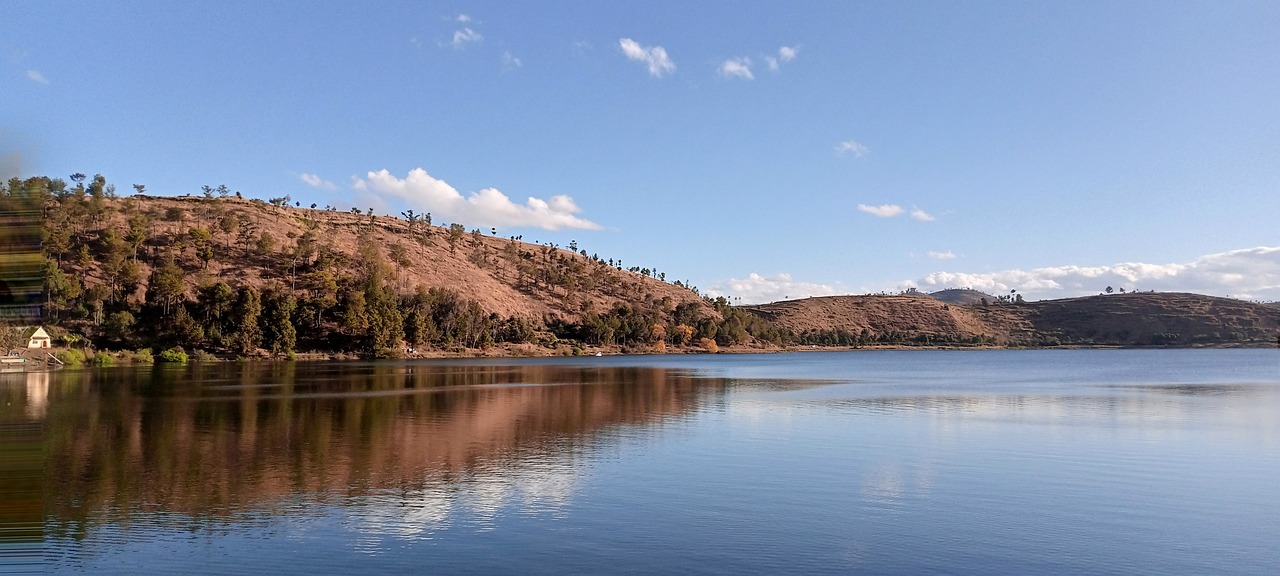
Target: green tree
(61, 289)
(278, 333)
(118, 327)
(352, 312)
(138, 233)
(455, 234)
(166, 285)
(202, 240)
(247, 335)
(215, 304)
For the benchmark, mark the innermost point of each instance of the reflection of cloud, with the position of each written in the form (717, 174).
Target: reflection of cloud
(884, 484)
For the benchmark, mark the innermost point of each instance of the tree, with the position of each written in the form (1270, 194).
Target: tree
(1110, 290)
(352, 312)
(118, 326)
(455, 234)
(228, 225)
(278, 333)
(216, 303)
(247, 335)
(138, 233)
(202, 241)
(165, 286)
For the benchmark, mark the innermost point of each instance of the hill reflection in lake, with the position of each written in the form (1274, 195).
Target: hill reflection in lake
(973, 462)
(219, 440)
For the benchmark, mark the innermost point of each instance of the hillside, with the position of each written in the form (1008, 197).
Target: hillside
(962, 296)
(235, 276)
(241, 277)
(899, 319)
(1137, 319)
(505, 276)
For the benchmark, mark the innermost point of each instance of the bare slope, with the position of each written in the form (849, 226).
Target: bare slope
(1141, 319)
(508, 277)
(907, 318)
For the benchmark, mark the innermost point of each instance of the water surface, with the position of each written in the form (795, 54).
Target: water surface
(964, 462)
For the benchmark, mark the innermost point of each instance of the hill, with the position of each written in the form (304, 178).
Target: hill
(896, 319)
(1145, 318)
(962, 296)
(246, 277)
(1136, 319)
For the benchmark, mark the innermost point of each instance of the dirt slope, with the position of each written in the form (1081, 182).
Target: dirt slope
(508, 277)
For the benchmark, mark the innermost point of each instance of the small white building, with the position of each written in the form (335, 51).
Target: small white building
(39, 339)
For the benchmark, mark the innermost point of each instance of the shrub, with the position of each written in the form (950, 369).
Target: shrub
(175, 355)
(709, 345)
(142, 356)
(71, 357)
(203, 356)
(103, 359)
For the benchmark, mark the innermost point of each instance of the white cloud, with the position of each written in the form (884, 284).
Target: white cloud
(922, 216)
(757, 289)
(37, 77)
(1252, 273)
(881, 211)
(737, 67)
(317, 182)
(510, 62)
(948, 255)
(785, 54)
(463, 18)
(465, 36)
(851, 148)
(653, 57)
(488, 207)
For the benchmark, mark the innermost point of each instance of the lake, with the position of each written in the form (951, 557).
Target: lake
(878, 462)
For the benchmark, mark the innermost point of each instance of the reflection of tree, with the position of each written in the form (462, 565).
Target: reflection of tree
(211, 440)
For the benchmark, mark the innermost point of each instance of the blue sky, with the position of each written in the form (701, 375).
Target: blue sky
(757, 149)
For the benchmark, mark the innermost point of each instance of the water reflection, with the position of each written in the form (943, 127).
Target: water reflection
(408, 446)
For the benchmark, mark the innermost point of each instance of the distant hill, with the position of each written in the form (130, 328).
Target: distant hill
(1148, 318)
(962, 296)
(1138, 319)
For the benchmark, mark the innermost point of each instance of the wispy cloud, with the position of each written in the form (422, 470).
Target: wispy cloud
(922, 216)
(462, 19)
(948, 255)
(37, 77)
(488, 207)
(881, 211)
(851, 148)
(737, 68)
(1251, 273)
(653, 57)
(317, 182)
(757, 289)
(465, 36)
(785, 54)
(510, 62)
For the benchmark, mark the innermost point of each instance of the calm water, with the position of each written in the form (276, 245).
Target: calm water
(973, 462)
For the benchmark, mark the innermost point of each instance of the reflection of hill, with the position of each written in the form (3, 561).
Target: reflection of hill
(222, 438)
